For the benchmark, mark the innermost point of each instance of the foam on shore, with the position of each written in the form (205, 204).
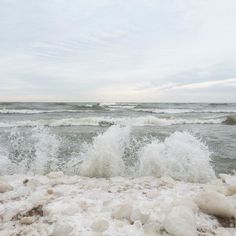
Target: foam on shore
(58, 205)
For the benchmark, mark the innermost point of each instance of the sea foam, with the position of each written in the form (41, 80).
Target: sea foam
(35, 153)
(104, 157)
(100, 120)
(114, 152)
(181, 156)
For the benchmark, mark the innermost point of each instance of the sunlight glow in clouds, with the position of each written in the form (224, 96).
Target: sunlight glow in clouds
(110, 50)
(205, 85)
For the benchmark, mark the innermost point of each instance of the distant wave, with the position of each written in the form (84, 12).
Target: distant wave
(33, 111)
(115, 106)
(38, 111)
(74, 108)
(163, 111)
(179, 111)
(108, 121)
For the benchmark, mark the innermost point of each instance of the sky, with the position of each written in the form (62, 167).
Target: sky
(118, 50)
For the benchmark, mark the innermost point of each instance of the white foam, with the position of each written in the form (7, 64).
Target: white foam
(104, 104)
(166, 111)
(35, 154)
(74, 203)
(112, 153)
(181, 156)
(31, 111)
(117, 106)
(5, 163)
(103, 158)
(46, 147)
(179, 111)
(96, 121)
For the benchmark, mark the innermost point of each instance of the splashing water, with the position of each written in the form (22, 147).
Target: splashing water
(34, 152)
(46, 147)
(112, 153)
(181, 156)
(104, 157)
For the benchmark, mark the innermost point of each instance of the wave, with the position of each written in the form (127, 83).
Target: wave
(103, 158)
(52, 108)
(34, 153)
(163, 111)
(36, 111)
(73, 108)
(118, 106)
(104, 104)
(181, 155)
(33, 111)
(180, 111)
(229, 121)
(108, 121)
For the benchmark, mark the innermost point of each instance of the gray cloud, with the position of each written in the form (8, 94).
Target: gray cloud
(108, 50)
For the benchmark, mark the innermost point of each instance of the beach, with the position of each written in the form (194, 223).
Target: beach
(117, 169)
(60, 205)
(118, 118)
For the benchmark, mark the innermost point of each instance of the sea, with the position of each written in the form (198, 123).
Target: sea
(183, 140)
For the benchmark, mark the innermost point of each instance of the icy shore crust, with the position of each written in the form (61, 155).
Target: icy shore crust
(60, 205)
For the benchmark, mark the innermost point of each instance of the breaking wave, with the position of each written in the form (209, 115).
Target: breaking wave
(33, 111)
(103, 158)
(36, 152)
(112, 153)
(230, 120)
(179, 111)
(108, 121)
(181, 156)
(76, 109)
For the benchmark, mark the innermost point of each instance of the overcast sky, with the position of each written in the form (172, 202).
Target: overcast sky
(118, 50)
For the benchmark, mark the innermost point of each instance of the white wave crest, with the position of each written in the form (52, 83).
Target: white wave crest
(5, 163)
(104, 157)
(179, 111)
(181, 156)
(112, 153)
(106, 121)
(35, 153)
(32, 111)
(117, 106)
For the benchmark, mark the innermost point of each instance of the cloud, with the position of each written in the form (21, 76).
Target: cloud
(116, 50)
(207, 84)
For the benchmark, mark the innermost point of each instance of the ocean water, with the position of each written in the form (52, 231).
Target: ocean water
(190, 142)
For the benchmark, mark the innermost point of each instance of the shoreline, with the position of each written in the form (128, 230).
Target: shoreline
(57, 205)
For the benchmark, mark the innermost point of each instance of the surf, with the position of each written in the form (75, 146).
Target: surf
(114, 152)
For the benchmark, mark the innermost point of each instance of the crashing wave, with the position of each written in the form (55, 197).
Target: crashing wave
(112, 153)
(230, 120)
(181, 156)
(179, 111)
(34, 153)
